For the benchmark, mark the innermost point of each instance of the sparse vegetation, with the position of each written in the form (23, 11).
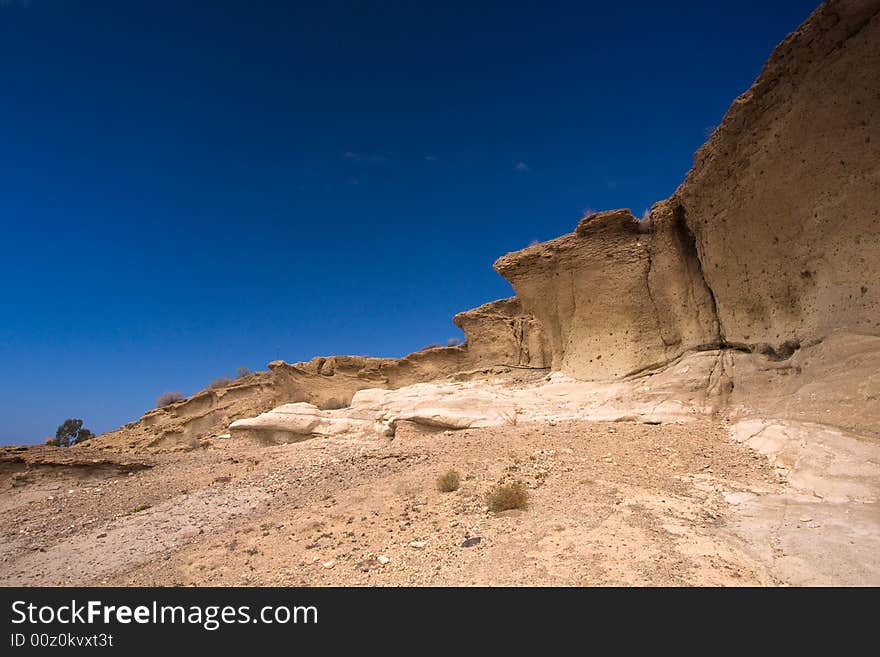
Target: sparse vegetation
(332, 404)
(428, 347)
(140, 507)
(69, 433)
(453, 342)
(507, 496)
(168, 398)
(220, 382)
(241, 372)
(449, 482)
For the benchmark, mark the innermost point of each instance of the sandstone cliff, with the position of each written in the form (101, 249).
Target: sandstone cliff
(498, 334)
(613, 297)
(784, 199)
(769, 244)
(502, 333)
(764, 260)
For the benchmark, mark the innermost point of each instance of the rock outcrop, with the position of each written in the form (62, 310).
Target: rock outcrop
(768, 245)
(376, 413)
(744, 290)
(499, 334)
(784, 198)
(502, 333)
(617, 296)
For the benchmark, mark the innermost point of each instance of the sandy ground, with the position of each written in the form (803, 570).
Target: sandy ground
(610, 503)
(617, 503)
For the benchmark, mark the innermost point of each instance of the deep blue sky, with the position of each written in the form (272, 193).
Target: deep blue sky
(186, 187)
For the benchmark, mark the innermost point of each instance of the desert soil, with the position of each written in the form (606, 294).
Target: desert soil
(610, 503)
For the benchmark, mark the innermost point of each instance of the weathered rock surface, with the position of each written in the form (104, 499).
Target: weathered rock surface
(376, 413)
(502, 333)
(499, 334)
(615, 297)
(769, 244)
(784, 199)
(823, 526)
(834, 383)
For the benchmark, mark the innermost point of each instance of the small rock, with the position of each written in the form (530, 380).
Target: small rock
(382, 559)
(102, 535)
(806, 518)
(418, 545)
(471, 542)
(328, 564)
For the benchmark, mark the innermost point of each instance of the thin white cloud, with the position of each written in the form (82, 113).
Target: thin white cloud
(522, 166)
(369, 158)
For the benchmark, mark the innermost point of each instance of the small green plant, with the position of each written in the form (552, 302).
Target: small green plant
(449, 482)
(140, 507)
(507, 496)
(70, 433)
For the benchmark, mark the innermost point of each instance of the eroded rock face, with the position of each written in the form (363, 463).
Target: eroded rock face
(502, 333)
(768, 245)
(498, 333)
(376, 413)
(784, 199)
(616, 296)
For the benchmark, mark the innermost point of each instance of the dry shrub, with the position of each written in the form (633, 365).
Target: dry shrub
(168, 398)
(428, 347)
(507, 496)
(449, 482)
(220, 382)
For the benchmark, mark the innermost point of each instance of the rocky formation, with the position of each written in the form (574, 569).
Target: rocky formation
(498, 334)
(502, 333)
(23, 462)
(757, 276)
(616, 296)
(784, 199)
(835, 383)
(769, 244)
(376, 414)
